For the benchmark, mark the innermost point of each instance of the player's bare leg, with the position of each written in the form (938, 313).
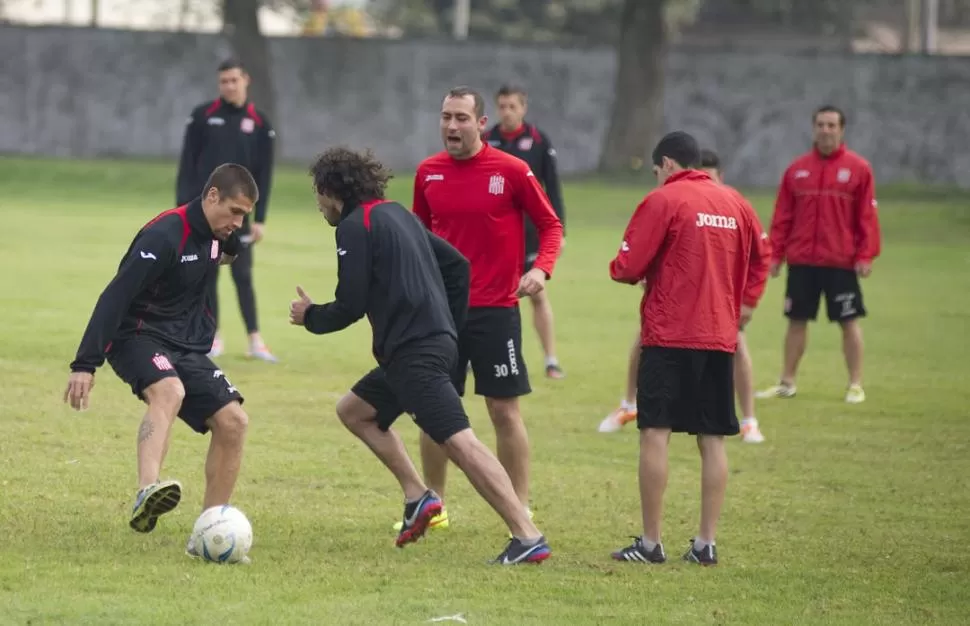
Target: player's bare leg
(796, 338)
(512, 443)
(228, 426)
(543, 320)
(627, 411)
(852, 348)
(434, 463)
(714, 477)
(155, 498)
(744, 388)
(653, 482)
(359, 418)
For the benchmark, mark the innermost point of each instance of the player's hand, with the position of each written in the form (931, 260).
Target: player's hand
(299, 307)
(256, 232)
(79, 387)
(747, 313)
(863, 269)
(532, 283)
(775, 270)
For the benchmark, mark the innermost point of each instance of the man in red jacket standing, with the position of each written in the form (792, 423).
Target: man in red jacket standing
(826, 228)
(476, 197)
(703, 254)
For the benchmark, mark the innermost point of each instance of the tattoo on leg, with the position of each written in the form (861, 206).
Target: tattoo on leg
(145, 430)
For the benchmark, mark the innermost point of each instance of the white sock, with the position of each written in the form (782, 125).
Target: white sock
(700, 544)
(749, 420)
(551, 360)
(628, 406)
(648, 546)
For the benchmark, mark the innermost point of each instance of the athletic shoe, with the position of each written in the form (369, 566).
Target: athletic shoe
(750, 433)
(637, 553)
(781, 390)
(705, 556)
(855, 394)
(152, 502)
(417, 517)
(555, 371)
(615, 421)
(438, 522)
(261, 352)
(517, 552)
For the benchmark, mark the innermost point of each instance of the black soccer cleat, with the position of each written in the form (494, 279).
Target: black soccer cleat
(705, 556)
(637, 553)
(517, 552)
(417, 518)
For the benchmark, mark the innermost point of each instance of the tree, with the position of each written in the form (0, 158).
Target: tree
(637, 112)
(241, 25)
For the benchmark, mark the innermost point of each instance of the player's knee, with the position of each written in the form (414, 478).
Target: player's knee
(167, 393)
(353, 411)
(230, 422)
(504, 412)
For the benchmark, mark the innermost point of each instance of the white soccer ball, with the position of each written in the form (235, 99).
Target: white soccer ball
(223, 534)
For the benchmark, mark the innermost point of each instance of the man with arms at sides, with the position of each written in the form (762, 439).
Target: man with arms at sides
(519, 138)
(702, 253)
(153, 324)
(413, 287)
(743, 376)
(826, 228)
(231, 129)
(476, 197)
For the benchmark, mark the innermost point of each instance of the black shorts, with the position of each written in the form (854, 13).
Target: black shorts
(418, 380)
(491, 341)
(806, 283)
(687, 391)
(142, 362)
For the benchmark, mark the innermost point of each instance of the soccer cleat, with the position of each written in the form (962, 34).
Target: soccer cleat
(438, 522)
(781, 390)
(705, 556)
(555, 371)
(517, 552)
(750, 433)
(855, 394)
(261, 353)
(152, 502)
(417, 518)
(637, 552)
(615, 421)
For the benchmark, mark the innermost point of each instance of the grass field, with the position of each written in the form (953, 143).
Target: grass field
(845, 515)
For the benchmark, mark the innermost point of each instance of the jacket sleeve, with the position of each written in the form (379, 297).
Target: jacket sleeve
(532, 199)
(550, 179)
(781, 220)
(149, 256)
(187, 186)
(353, 283)
(456, 274)
(266, 146)
(642, 240)
(868, 242)
(759, 261)
(419, 203)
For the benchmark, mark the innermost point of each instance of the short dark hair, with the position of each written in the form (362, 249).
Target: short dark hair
(353, 177)
(830, 108)
(511, 90)
(679, 146)
(232, 63)
(231, 180)
(710, 160)
(463, 91)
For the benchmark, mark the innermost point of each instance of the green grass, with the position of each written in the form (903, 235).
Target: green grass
(845, 515)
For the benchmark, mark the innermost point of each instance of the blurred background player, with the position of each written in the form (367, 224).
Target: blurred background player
(743, 370)
(475, 197)
(517, 137)
(231, 129)
(826, 228)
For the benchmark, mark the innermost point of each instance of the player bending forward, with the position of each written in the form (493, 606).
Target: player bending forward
(413, 288)
(743, 370)
(152, 323)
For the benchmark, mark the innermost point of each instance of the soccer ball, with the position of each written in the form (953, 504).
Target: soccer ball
(222, 534)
